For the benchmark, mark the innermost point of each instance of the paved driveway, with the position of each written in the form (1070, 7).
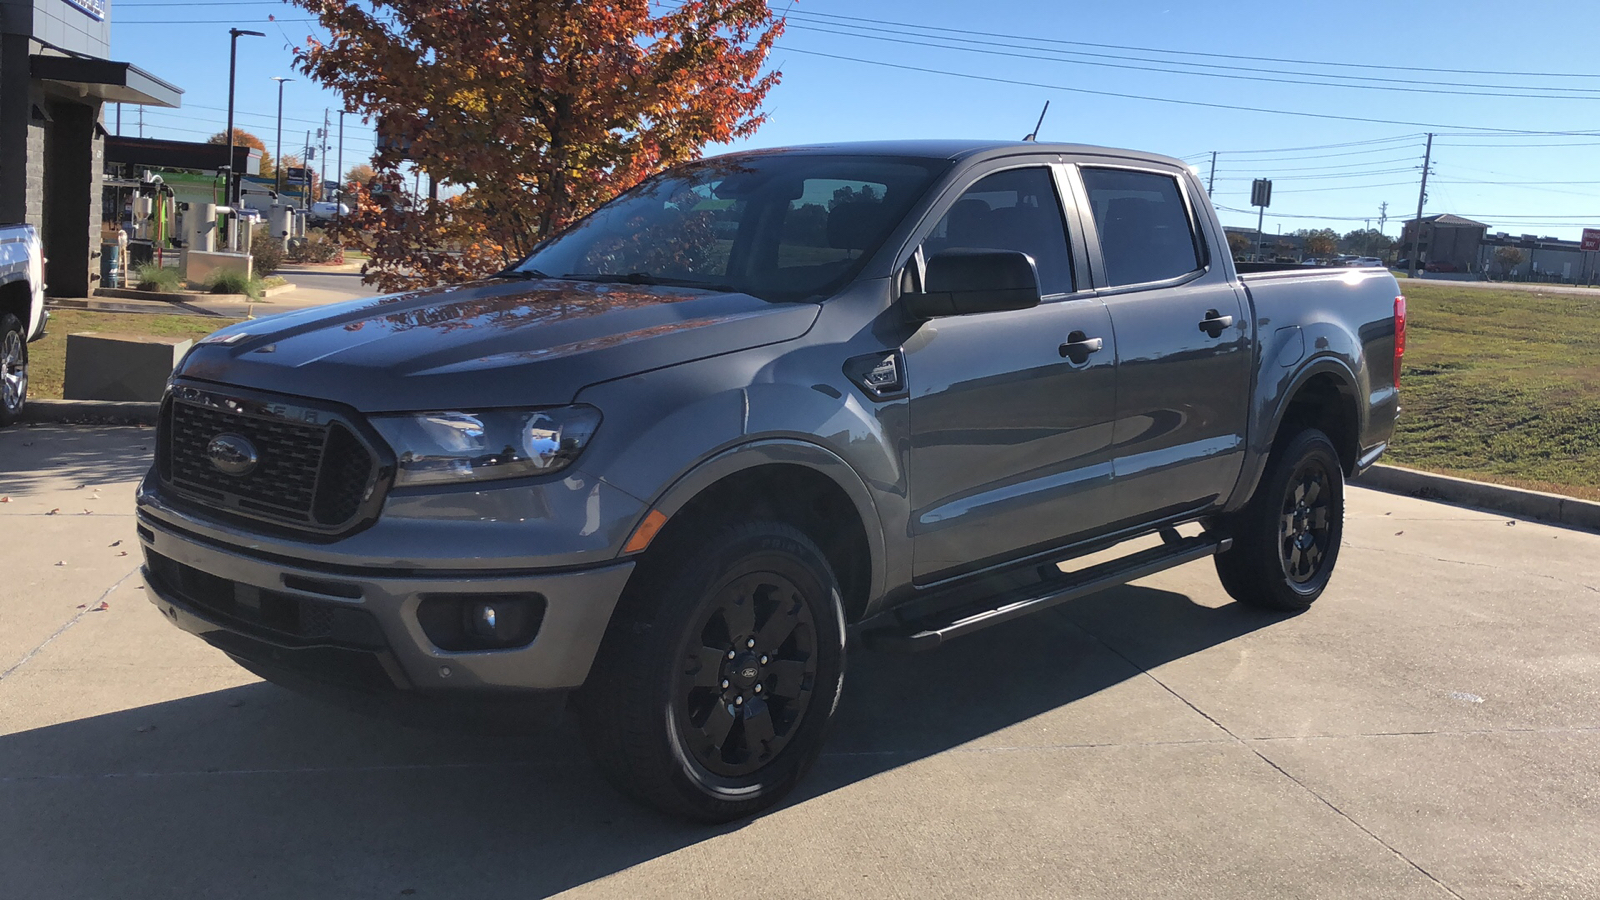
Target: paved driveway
(1428, 730)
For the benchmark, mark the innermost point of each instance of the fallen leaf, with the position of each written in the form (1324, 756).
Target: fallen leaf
(123, 553)
(1398, 533)
(102, 607)
(88, 512)
(53, 511)
(116, 544)
(83, 606)
(61, 562)
(5, 499)
(1512, 522)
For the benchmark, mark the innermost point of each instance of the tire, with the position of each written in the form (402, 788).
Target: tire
(13, 369)
(677, 724)
(1286, 539)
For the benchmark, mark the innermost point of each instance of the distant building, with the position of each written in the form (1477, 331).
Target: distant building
(1543, 259)
(55, 81)
(1445, 239)
(1286, 247)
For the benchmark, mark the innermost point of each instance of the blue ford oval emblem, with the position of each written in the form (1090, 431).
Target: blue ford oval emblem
(231, 454)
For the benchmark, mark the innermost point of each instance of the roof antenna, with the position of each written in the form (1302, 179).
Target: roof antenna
(1035, 135)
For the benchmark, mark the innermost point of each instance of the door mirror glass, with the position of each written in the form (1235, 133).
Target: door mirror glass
(965, 281)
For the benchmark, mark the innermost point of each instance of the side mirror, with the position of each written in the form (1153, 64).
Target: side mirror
(962, 282)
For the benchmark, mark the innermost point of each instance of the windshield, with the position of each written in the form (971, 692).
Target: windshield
(779, 227)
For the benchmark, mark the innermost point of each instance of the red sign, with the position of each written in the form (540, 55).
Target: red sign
(1591, 240)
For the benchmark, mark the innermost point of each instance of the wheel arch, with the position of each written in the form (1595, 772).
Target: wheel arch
(791, 480)
(1324, 394)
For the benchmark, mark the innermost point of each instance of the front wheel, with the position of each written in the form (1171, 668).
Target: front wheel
(13, 368)
(1286, 539)
(716, 684)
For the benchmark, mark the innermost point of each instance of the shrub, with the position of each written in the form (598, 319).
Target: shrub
(316, 247)
(228, 281)
(154, 277)
(267, 254)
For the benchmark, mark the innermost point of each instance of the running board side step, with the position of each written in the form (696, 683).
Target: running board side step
(930, 631)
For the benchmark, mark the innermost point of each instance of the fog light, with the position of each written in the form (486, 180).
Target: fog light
(459, 622)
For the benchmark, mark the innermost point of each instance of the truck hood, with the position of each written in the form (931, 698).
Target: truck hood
(502, 342)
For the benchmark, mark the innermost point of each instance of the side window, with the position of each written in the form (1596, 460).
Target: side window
(832, 221)
(1012, 210)
(1145, 232)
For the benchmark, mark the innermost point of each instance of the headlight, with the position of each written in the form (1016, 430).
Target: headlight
(452, 447)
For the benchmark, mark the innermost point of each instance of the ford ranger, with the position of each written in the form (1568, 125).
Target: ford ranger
(757, 412)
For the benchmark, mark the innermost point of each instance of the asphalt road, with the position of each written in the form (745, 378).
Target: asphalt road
(1430, 729)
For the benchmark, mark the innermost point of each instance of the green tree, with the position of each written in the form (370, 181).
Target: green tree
(1238, 243)
(1319, 242)
(1508, 258)
(1368, 242)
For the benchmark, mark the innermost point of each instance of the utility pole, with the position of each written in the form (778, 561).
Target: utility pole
(141, 120)
(1211, 183)
(338, 199)
(324, 160)
(1422, 198)
(119, 120)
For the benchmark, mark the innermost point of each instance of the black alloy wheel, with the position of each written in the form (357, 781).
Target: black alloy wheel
(748, 675)
(714, 688)
(1306, 530)
(1286, 539)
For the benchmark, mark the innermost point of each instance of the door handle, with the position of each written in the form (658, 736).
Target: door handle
(1079, 346)
(1214, 322)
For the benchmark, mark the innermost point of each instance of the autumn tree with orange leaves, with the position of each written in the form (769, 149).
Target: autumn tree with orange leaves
(536, 111)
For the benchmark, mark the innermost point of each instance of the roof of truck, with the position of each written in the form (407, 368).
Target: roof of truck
(962, 149)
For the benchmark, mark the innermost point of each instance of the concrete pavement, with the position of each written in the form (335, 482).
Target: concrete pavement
(1429, 729)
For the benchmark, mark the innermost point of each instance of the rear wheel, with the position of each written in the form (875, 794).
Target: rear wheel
(13, 368)
(717, 682)
(1286, 539)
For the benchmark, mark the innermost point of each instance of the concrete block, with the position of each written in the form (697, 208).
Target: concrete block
(198, 266)
(103, 366)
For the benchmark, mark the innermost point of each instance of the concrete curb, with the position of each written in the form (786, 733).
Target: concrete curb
(1552, 508)
(91, 412)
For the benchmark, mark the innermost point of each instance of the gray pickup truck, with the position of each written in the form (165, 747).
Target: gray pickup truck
(760, 409)
(22, 314)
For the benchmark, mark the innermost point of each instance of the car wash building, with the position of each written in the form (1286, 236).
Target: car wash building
(55, 80)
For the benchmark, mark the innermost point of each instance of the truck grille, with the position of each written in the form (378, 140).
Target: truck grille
(315, 474)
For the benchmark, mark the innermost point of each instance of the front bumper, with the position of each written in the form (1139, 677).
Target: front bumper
(360, 628)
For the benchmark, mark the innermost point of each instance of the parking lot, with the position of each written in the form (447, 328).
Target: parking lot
(1429, 729)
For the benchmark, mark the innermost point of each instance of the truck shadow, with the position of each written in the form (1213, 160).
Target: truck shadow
(252, 791)
(34, 458)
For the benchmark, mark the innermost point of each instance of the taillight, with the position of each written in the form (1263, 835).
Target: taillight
(1399, 337)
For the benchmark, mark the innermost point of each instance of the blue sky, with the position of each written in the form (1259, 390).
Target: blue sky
(876, 82)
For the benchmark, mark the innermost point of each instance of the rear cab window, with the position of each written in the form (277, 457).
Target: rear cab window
(1146, 232)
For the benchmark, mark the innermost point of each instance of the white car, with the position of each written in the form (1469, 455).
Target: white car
(22, 314)
(1364, 262)
(326, 211)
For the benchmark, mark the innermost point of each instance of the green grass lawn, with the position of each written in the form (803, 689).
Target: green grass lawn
(47, 359)
(1502, 386)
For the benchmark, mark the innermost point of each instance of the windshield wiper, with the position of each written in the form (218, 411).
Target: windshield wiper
(645, 278)
(529, 274)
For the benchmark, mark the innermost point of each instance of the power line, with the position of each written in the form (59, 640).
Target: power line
(1232, 73)
(788, 48)
(1389, 68)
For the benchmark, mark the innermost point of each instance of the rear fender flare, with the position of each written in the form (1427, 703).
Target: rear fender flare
(1276, 398)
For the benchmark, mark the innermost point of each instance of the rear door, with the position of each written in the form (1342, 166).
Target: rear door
(1010, 412)
(1183, 379)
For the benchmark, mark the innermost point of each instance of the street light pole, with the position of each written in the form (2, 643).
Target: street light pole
(277, 164)
(233, 63)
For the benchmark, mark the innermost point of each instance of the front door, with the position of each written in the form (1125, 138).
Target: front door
(1010, 412)
(1183, 383)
